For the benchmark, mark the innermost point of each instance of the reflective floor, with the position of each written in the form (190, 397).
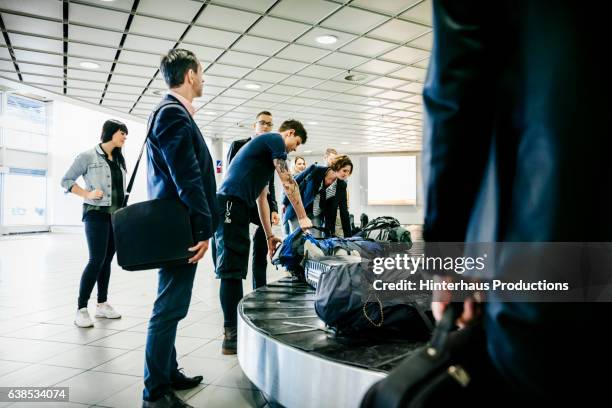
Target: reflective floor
(103, 366)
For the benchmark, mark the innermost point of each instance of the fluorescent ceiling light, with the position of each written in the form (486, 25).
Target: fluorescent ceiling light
(252, 86)
(307, 151)
(373, 102)
(89, 65)
(313, 123)
(210, 113)
(327, 39)
(345, 143)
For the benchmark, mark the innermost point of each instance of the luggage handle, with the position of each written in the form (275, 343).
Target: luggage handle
(444, 327)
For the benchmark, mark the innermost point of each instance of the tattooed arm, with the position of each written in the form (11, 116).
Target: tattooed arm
(292, 191)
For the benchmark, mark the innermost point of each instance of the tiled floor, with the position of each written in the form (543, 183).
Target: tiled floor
(40, 346)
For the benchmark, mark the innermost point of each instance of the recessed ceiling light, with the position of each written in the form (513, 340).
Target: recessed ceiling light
(327, 39)
(252, 86)
(355, 77)
(313, 123)
(307, 151)
(345, 143)
(89, 65)
(210, 113)
(373, 102)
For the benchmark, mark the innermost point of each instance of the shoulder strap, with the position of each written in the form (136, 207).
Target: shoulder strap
(126, 197)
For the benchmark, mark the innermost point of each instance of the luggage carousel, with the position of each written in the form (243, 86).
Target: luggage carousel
(287, 352)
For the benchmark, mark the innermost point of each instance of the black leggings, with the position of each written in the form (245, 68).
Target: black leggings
(101, 244)
(230, 293)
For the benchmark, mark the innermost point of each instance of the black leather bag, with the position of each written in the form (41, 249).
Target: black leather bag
(152, 234)
(449, 371)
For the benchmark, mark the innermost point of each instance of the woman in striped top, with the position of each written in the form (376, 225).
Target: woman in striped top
(323, 191)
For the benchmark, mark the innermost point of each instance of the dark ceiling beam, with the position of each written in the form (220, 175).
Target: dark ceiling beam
(65, 5)
(7, 40)
(120, 48)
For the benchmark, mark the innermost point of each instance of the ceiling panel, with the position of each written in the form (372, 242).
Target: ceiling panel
(97, 17)
(311, 11)
(94, 35)
(342, 60)
(149, 45)
(283, 65)
(132, 57)
(183, 10)
(30, 25)
(424, 41)
(44, 8)
(258, 45)
(385, 6)
(38, 57)
(378, 67)
(368, 47)
(353, 20)
(157, 27)
(398, 31)
(91, 51)
(40, 69)
(227, 70)
(241, 59)
(278, 29)
(226, 18)
(209, 36)
(421, 13)
(35, 43)
(302, 53)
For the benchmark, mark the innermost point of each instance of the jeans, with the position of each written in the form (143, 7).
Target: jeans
(172, 303)
(101, 244)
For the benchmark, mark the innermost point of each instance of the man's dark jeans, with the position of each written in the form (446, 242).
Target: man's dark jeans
(171, 305)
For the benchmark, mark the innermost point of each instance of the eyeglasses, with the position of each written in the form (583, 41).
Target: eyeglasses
(264, 123)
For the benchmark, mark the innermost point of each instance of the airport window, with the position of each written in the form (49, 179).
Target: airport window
(24, 199)
(392, 180)
(24, 124)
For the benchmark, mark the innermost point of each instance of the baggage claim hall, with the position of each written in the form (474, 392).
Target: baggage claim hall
(202, 202)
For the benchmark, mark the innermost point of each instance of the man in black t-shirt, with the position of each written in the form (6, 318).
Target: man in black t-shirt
(246, 185)
(259, 262)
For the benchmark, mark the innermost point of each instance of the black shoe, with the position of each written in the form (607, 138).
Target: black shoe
(182, 382)
(169, 400)
(230, 340)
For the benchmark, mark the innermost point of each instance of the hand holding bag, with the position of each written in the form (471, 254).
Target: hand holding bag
(152, 234)
(449, 371)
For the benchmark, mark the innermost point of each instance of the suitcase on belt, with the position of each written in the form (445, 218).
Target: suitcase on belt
(313, 268)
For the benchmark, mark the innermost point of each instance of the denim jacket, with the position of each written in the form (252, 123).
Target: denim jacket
(96, 173)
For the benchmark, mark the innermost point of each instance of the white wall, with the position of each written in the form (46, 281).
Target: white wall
(75, 129)
(357, 189)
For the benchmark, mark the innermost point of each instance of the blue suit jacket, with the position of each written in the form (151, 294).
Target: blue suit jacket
(180, 165)
(515, 150)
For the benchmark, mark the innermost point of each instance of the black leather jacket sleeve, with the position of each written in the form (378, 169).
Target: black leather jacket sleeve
(173, 132)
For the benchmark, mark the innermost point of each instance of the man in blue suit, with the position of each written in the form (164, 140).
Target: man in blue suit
(180, 167)
(515, 150)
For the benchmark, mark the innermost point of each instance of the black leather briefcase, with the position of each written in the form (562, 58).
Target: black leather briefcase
(152, 234)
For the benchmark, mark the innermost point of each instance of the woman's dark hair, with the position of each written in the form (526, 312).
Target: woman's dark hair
(341, 161)
(109, 128)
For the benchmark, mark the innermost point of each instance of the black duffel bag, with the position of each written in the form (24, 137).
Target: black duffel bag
(152, 234)
(343, 303)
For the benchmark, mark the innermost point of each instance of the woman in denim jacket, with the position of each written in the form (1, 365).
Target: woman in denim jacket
(103, 170)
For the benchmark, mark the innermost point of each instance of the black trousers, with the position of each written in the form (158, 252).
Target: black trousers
(101, 245)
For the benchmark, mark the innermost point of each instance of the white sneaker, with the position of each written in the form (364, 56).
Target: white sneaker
(105, 310)
(82, 318)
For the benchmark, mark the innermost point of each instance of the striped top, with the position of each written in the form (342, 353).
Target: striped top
(330, 192)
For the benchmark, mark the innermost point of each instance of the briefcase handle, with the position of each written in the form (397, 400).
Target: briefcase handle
(126, 197)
